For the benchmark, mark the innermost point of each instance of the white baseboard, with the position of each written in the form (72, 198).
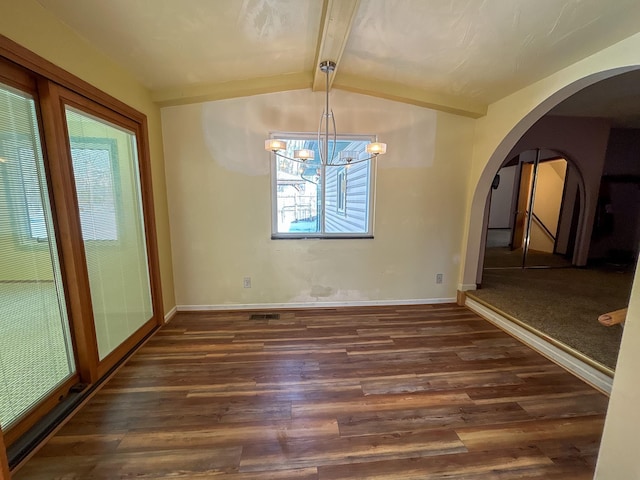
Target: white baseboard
(358, 303)
(567, 361)
(170, 314)
(465, 287)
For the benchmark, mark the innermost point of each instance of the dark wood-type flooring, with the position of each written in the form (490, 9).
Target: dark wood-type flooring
(416, 392)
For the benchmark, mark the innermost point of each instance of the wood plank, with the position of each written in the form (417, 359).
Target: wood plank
(4, 463)
(412, 392)
(450, 416)
(441, 382)
(287, 453)
(378, 403)
(579, 404)
(159, 438)
(526, 433)
(524, 463)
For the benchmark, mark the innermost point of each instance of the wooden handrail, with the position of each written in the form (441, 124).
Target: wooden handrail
(544, 227)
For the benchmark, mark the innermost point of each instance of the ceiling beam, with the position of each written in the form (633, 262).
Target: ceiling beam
(297, 81)
(337, 18)
(238, 88)
(411, 95)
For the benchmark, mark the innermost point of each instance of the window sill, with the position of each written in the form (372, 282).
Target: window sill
(320, 237)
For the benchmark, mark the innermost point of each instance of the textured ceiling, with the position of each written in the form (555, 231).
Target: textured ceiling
(458, 55)
(616, 98)
(182, 42)
(482, 49)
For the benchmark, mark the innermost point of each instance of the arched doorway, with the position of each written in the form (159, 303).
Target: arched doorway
(593, 139)
(534, 211)
(497, 154)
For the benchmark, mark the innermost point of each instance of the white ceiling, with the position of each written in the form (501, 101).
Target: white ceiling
(457, 55)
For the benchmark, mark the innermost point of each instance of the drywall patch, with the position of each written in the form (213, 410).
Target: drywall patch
(394, 123)
(235, 129)
(320, 291)
(327, 294)
(231, 141)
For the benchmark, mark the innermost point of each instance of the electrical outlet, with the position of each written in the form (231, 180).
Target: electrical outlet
(439, 277)
(246, 282)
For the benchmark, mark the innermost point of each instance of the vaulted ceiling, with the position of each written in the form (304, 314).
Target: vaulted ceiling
(452, 55)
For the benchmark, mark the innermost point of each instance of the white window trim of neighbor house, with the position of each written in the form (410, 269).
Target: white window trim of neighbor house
(350, 202)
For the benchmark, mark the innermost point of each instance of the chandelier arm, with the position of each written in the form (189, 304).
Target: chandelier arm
(353, 162)
(335, 139)
(320, 143)
(297, 160)
(307, 179)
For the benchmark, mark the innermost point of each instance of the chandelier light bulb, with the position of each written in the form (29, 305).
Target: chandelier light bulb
(274, 145)
(303, 154)
(377, 148)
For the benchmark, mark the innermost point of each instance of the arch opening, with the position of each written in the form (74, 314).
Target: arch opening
(472, 255)
(534, 212)
(562, 127)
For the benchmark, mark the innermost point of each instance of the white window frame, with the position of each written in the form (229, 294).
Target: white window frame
(323, 234)
(24, 155)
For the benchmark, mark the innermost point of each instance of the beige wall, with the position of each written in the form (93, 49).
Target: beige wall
(549, 186)
(549, 189)
(618, 457)
(496, 134)
(27, 23)
(218, 182)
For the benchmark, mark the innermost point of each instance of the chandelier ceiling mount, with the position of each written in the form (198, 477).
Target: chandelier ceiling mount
(327, 135)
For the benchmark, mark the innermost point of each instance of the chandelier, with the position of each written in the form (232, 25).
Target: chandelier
(327, 134)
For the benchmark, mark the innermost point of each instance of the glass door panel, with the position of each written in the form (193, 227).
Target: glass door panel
(106, 174)
(545, 214)
(36, 353)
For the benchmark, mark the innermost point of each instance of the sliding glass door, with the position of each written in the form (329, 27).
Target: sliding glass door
(107, 184)
(36, 354)
(79, 280)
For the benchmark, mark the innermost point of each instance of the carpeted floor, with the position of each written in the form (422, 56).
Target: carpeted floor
(504, 257)
(564, 303)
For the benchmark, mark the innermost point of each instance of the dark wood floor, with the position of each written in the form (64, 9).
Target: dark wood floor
(429, 392)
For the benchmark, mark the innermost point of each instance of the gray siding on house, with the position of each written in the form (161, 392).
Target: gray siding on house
(354, 219)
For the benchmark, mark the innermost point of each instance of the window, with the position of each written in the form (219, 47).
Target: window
(93, 162)
(311, 200)
(93, 166)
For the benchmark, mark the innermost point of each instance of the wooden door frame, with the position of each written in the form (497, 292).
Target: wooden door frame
(5, 474)
(52, 85)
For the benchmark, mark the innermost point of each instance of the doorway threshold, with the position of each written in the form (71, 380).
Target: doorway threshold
(575, 362)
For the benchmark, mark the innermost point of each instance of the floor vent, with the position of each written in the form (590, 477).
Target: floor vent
(264, 316)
